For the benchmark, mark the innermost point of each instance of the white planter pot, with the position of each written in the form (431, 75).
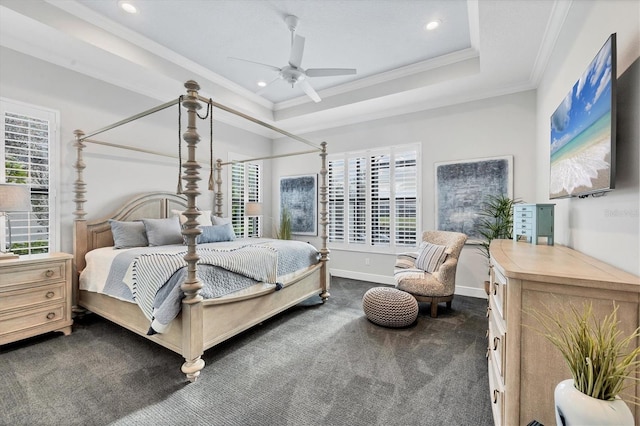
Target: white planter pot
(575, 408)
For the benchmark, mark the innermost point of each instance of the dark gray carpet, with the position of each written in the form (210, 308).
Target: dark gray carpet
(312, 365)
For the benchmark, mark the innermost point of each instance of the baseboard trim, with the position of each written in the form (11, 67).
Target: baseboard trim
(383, 279)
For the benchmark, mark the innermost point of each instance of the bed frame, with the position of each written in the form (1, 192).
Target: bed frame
(201, 323)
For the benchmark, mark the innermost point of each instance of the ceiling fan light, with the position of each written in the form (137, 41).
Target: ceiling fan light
(127, 6)
(433, 25)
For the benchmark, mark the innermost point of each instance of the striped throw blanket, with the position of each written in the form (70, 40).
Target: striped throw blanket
(147, 273)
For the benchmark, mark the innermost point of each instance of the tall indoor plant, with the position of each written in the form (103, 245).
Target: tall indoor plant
(496, 222)
(600, 359)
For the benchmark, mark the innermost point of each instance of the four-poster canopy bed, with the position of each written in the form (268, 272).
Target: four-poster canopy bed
(201, 322)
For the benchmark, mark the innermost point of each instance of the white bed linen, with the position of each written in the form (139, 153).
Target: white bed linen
(98, 264)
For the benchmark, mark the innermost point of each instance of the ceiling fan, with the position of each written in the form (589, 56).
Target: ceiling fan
(293, 73)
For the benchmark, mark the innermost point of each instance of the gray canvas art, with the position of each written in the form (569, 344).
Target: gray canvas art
(463, 186)
(299, 197)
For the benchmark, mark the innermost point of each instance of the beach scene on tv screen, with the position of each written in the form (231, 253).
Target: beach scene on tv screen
(581, 132)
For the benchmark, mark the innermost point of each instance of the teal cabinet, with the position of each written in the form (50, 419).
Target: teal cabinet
(533, 221)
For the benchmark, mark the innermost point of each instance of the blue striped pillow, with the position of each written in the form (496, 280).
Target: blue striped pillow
(431, 256)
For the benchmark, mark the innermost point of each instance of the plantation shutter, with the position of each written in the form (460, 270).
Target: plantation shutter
(381, 208)
(380, 191)
(238, 191)
(28, 136)
(406, 192)
(246, 181)
(253, 196)
(336, 181)
(357, 200)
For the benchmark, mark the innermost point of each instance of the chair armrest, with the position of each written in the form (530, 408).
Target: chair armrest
(446, 273)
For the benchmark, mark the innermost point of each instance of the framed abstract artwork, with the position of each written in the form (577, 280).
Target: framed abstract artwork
(299, 197)
(463, 186)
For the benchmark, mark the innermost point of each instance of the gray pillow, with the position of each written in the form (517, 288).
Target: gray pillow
(128, 234)
(216, 233)
(162, 232)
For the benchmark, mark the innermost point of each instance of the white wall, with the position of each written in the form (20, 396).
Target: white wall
(606, 227)
(113, 175)
(503, 125)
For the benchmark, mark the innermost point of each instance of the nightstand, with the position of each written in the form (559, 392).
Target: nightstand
(35, 296)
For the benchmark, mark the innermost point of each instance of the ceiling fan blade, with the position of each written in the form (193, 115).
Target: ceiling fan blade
(297, 49)
(271, 67)
(329, 72)
(309, 90)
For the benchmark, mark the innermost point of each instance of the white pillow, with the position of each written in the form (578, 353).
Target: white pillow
(220, 220)
(203, 220)
(431, 256)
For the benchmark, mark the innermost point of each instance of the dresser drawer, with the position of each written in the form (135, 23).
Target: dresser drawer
(499, 292)
(496, 389)
(20, 321)
(497, 342)
(33, 273)
(22, 298)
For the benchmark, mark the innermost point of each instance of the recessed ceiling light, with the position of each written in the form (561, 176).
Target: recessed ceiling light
(433, 24)
(127, 6)
(262, 83)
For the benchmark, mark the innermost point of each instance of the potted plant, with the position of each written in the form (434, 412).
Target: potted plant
(600, 360)
(284, 229)
(496, 221)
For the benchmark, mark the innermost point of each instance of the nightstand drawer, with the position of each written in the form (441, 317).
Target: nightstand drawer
(32, 296)
(33, 273)
(523, 214)
(20, 321)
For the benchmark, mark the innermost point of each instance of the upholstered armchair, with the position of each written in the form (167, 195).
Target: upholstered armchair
(430, 273)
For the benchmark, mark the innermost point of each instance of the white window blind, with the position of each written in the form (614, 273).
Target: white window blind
(373, 198)
(245, 188)
(29, 135)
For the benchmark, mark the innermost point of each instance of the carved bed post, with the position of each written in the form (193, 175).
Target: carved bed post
(218, 194)
(324, 251)
(192, 329)
(80, 221)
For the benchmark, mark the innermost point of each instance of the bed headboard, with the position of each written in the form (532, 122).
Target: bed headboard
(94, 234)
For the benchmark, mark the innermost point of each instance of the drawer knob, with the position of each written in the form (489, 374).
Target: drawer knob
(49, 273)
(51, 315)
(495, 396)
(50, 294)
(496, 340)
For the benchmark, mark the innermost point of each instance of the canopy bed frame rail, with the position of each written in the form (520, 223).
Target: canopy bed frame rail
(201, 323)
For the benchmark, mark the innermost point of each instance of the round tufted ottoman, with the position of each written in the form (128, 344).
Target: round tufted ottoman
(390, 307)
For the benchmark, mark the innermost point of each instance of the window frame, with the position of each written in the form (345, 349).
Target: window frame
(53, 117)
(366, 155)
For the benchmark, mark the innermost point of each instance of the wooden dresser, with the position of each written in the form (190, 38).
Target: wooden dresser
(524, 368)
(35, 296)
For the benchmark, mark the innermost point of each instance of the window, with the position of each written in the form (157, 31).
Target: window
(373, 198)
(246, 181)
(29, 137)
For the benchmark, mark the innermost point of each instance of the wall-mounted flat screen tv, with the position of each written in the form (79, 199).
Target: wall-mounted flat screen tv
(583, 131)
